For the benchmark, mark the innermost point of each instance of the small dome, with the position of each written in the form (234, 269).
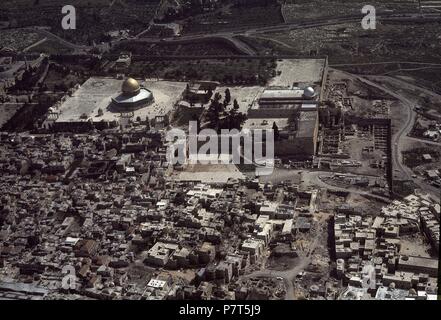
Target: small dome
(309, 92)
(314, 288)
(130, 86)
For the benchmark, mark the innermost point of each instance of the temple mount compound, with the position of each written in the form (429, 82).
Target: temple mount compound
(132, 96)
(106, 102)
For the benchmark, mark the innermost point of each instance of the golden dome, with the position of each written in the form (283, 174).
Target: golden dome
(130, 86)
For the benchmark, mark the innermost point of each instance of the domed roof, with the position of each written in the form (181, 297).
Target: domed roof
(309, 92)
(130, 86)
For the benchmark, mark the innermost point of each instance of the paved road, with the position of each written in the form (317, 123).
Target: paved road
(230, 35)
(281, 27)
(44, 32)
(239, 45)
(408, 85)
(434, 143)
(383, 63)
(311, 179)
(404, 129)
(314, 180)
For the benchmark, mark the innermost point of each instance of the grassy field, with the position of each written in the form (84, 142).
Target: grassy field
(231, 71)
(205, 48)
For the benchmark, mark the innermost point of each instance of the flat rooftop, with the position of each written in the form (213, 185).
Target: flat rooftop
(282, 94)
(265, 124)
(96, 93)
(419, 262)
(307, 123)
(289, 89)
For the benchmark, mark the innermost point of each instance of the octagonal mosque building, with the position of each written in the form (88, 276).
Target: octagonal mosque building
(132, 96)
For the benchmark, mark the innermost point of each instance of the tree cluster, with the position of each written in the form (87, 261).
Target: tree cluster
(220, 118)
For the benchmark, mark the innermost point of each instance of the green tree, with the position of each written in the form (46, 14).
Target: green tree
(217, 97)
(235, 105)
(208, 95)
(227, 96)
(276, 131)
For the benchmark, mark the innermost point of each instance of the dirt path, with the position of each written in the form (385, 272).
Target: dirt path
(401, 134)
